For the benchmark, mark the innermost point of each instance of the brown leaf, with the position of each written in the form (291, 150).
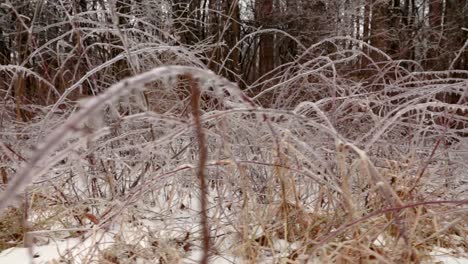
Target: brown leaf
(92, 218)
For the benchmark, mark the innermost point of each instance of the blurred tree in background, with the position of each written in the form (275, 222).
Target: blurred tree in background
(61, 42)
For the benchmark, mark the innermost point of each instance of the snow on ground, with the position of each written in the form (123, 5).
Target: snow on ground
(173, 225)
(443, 255)
(55, 250)
(41, 254)
(52, 253)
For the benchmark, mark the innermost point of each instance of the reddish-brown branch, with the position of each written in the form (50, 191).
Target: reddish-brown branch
(195, 101)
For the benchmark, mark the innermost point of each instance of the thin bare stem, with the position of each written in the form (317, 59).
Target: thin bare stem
(195, 101)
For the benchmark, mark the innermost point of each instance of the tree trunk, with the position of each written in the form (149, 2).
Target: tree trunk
(231, 38)
(394, 30)
(263, 13)
(435, 22)
(456, 18)
(366, 30)
(380, 26)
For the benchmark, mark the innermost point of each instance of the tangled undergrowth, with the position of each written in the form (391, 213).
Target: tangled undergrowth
(316, 165)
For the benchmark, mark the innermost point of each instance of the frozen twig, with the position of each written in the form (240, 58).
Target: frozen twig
(74, 124)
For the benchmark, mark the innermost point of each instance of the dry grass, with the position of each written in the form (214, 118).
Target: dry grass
(317, 164)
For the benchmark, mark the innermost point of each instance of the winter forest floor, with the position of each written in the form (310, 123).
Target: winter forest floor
(308, 184)
(338, 156)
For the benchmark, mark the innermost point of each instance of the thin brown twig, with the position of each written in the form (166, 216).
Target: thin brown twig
(195, 100)
(7, 146)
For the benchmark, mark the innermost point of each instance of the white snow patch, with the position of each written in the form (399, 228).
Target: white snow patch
(197, 255)
(41, 254)
(445, 256)
(73, 248)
